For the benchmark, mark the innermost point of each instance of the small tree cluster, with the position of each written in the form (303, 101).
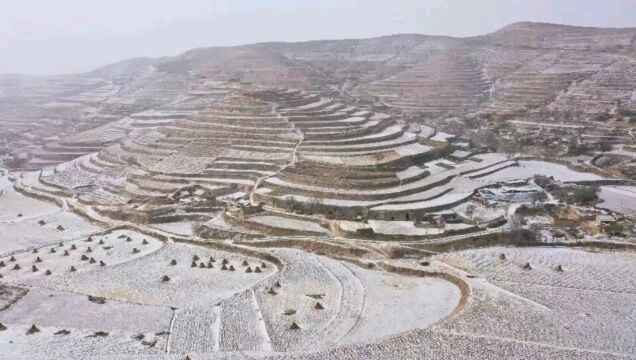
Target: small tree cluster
(585, 194)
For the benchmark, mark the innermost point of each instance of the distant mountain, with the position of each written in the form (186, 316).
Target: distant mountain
(522, 67)
(125, 68)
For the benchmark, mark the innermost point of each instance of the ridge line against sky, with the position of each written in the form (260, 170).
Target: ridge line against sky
(71, 36)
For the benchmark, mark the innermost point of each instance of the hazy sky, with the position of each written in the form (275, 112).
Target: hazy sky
(65, 36)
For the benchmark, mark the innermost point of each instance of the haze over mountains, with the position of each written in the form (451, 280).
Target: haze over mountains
(521, 66)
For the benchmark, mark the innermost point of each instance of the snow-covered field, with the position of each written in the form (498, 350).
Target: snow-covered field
(619, 198)
(278, 222)
(4, 179)
(71, 323)
(589, 303)
(14, 204)
(528, 169)
(357, 305)
(124, 307)
(182, 228)
(402, 228)
(141, 282)
(74, 311)
(58, 258)
(242, 327)
(27, 223)
(123, 296)
(304, 275)
(55, 343)
(395, 304)
(30, 233)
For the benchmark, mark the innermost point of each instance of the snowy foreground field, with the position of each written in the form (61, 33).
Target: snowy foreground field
(72, 289)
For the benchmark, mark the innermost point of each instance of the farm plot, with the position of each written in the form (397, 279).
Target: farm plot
(334, 303)
(234, 324)
(402, 228)
(16, 207)
(74, 311)
(61, 262)
(561, 267)
(564, 297)
(291, 296)
(395, 304)
(349, 308)
(619, 198)
(43, 231)
(218, 222)
(195, 329)
(566, 321)
(528, 169)
(604, 321)
(282, 223)
(55, 343)
(431, 345)
(189, 282)
(242, 327)
(183, 228)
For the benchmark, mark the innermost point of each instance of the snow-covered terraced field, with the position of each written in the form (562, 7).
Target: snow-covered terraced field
(619, 198)
(282, 223)
(402, 228)
(583, 270)
(58, 258)
(528, 169)
(242, 327)
(350, 308)
(140, 281)
(195, 329)
(589, 304)
(15, 207)
(183, 228)
(139, 304)
(394, 304)
(43, 230)
(54, 343)
(75, 311)
(216, 310)
(304, 276)
(353, 303)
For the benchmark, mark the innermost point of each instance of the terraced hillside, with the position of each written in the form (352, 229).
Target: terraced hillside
(283, 201)
(524, 66)
(447, 82)
(96, 112)
(570, 72)
(286, 151)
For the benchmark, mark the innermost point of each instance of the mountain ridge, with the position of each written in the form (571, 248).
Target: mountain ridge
(522, 67)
